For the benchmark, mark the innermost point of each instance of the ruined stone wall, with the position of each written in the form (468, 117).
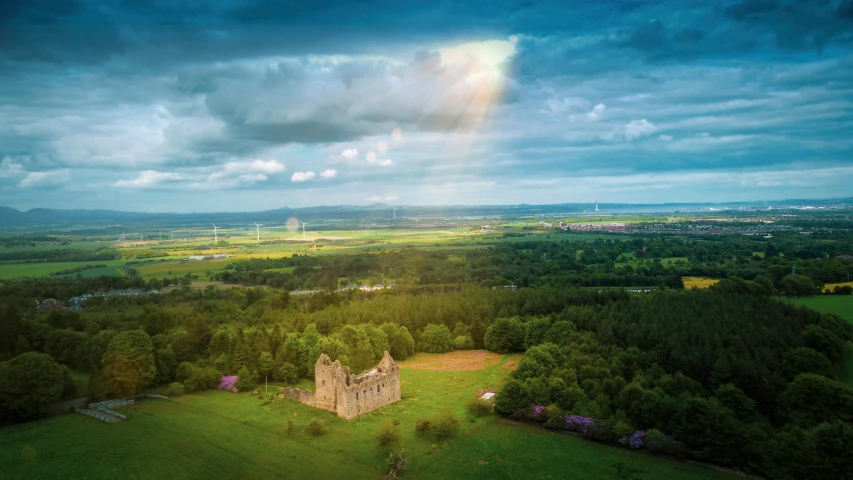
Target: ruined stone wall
(304, 396)
(350, 395)
(368, 394)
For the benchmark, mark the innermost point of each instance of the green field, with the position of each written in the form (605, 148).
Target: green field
(15, 270)
(227, 435)
(842, 305)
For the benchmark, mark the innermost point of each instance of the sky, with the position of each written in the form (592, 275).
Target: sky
(192, 106)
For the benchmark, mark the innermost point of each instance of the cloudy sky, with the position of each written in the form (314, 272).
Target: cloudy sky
(225, 106)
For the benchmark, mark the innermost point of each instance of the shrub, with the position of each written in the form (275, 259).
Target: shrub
(289, 373)
(479, 407)
(388, 437)
(227, 382)
(247, 380)
(316, 427)
(176, 389)
(657, 441)
(438, 428)
(463, 342)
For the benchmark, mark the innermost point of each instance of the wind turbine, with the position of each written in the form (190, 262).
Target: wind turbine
(303, 229)
(215, 238)
(258, 228)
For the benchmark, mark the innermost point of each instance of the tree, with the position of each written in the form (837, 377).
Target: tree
(129, 363)
(436, 339)
(811, 399)
(289, 373)
(805, 360)
(505, 335)
(248, 379)
(29, 383)
(824, 341)
(266, 364)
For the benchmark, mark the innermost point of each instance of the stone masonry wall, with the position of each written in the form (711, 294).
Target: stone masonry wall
(304, 396)
(349, 395)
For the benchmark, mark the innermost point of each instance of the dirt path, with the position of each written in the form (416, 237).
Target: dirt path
(65, 406)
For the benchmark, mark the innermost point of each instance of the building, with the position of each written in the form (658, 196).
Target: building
(349, 395)
(365, 288)
(378, 286)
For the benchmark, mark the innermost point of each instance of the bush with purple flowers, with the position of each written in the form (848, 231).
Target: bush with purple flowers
(537, 410)
(636, 440)
(227, 382)
(576, 423)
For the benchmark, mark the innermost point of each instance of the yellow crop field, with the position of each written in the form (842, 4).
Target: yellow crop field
(698, 282)
(829, 286)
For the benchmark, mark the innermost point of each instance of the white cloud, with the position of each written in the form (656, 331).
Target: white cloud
(330, 173)
(380, 198)
(10, 168)
(149, 178)
(385, 163)
(371, 157)
(349, 153)
(597, 112)
(302, 176)
(249, 170)
(43, 179)
(666, 138)
(639, 128)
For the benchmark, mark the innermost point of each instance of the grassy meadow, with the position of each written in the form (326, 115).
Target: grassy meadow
(227, 435)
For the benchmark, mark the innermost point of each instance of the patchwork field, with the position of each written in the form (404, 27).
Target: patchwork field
(227, 435)
(698, 282)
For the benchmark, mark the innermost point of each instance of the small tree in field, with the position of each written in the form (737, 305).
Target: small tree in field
(388, 437)
(316, 427)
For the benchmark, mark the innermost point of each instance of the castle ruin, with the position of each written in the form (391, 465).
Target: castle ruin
(350, 395)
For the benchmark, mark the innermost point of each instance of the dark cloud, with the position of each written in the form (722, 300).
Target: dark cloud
(166, 95)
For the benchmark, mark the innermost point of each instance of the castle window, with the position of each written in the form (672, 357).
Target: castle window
(324, 382)
(356, 396)
(377, 389)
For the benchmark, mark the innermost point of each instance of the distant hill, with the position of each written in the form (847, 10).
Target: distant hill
(57, 217)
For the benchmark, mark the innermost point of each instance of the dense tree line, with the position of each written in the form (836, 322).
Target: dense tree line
(728, 375)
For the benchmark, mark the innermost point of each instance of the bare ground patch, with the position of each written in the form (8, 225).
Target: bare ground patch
(459, 360)
(512, 361)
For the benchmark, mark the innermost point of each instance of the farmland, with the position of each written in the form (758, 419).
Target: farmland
(226, 435)
(698, 282)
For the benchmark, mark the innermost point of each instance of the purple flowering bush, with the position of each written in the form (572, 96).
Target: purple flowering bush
(227, 383)
(537, 412)
(576, 423)
(636, 440)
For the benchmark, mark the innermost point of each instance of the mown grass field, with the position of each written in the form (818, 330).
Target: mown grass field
(227, 435)
(698, 282)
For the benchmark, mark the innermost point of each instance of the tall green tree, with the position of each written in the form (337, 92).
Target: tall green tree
(129, 363)
(29, 383)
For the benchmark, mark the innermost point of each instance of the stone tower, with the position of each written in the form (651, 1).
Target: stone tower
(325, 376)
